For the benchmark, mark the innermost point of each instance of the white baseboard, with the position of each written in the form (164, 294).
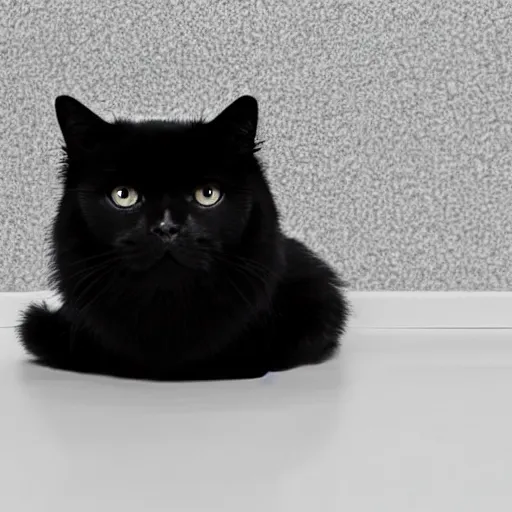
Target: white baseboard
(431, 310)
(371, 310)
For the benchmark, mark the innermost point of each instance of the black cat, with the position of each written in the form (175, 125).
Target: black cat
(169, 258)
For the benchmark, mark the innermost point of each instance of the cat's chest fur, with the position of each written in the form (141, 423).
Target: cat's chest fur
(202, 317)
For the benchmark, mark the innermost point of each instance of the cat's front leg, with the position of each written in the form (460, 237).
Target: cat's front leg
(234, 370)
(246, 358)
(247, 372)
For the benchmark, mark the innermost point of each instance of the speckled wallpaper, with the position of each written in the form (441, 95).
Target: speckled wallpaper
(388, 124)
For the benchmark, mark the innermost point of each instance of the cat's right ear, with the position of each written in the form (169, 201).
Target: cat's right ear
(82, 129)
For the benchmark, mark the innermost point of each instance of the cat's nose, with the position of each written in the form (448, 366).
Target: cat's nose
(165, 229)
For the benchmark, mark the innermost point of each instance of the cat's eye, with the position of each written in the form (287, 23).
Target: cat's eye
(208, 195)
(125, 197)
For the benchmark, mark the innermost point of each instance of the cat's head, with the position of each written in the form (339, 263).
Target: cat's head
(161, 194)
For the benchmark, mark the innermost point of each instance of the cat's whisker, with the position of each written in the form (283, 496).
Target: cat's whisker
(258, 272)
(94, 282)
(99, 295)
(256, 265)
(249, 262)
(239, 292)
(93, 257)
(252, 278)
(88, 273)
(91, 268)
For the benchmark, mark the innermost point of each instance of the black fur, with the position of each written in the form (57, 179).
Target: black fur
(167, 288)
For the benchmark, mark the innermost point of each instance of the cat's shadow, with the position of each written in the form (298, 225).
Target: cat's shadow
(230, 439)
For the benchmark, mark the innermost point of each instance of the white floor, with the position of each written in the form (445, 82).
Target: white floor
(401, 421)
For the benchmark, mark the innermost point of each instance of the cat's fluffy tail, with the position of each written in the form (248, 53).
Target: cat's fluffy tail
(45, 334)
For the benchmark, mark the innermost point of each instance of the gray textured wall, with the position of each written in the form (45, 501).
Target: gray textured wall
(388, 124)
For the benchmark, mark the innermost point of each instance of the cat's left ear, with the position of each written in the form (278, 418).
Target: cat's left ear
(82, 129)
(239, 122)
